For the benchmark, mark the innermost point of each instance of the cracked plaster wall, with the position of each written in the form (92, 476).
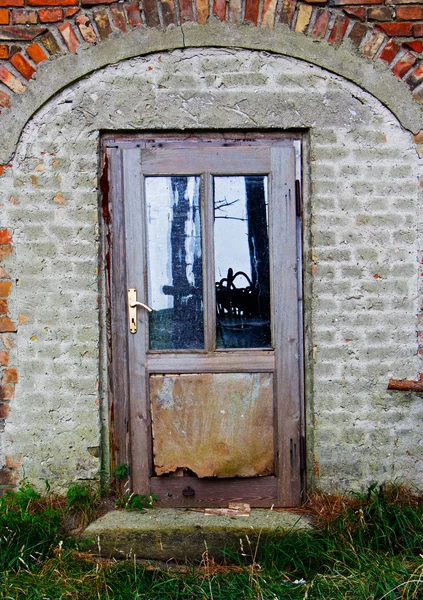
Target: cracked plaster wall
(361, 271)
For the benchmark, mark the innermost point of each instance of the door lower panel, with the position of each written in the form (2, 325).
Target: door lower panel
(214, 424)
(259, 492)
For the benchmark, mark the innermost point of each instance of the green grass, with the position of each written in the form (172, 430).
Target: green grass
(364, 547)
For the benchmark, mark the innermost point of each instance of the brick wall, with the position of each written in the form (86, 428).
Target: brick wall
(361, 248)
(8, 372)
(33, 31)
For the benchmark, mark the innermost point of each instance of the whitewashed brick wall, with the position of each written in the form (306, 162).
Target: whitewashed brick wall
(361, 232)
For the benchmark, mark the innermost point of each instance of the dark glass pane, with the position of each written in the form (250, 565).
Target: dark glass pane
(175, 280)
(242, 262)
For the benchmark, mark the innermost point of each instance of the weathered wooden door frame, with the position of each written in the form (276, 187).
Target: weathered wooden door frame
(129, 412)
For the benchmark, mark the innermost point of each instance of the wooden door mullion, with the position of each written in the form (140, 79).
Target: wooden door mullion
(208, 263)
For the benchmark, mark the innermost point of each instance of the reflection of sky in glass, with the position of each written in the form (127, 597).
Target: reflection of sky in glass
(231, 227)
(159, 201)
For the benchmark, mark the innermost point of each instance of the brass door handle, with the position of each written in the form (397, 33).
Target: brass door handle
(132, 304)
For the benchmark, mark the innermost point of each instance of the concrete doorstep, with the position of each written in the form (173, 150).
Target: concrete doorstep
(165, 534)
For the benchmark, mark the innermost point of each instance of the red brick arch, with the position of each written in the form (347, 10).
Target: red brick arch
(387, 34)
(34, 31)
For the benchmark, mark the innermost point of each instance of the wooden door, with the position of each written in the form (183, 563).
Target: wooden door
(206, 394)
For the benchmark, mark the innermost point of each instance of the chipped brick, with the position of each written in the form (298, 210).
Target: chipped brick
(4, 359)
(134, 13)
(403, 65)
(373, 44)
(7, 3)
(22, 65)
(357, 33)
(7, 325)
(5, 287)
(51, 44)
(187, 13)
(119, 17)
(10, 376)
(5, 251)
(416, 46)
(11, 81)
(8, 341)
(24, 17)
(50, 15)
(11, 32)
(303, 18)
(5, 236)
(235, 11)
(8, 477)
(287, 12)
(36, 53)
(219, 9)
(4, 99)
(7, 392)
(69, 36)
(168, 13)
(268, 13)
(413, 80)
(409, 13)
(86, 29)
(151, 13)
(52, 2)
(321, 24)
(4, 410)
(59, 198)
(202, 11)
(4, 51)
(3, 307)
(356, 11)
(13, 464)
(389, 52)
(338, 30)
(379, 13)
(397, 29)
(4, 16)
(252, 11)
(103, 24)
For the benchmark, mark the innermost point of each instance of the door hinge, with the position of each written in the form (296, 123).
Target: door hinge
(298, 198)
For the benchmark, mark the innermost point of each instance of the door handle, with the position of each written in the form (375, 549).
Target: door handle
(132, 309)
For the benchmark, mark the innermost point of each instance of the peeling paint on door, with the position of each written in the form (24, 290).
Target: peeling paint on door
(215, 424)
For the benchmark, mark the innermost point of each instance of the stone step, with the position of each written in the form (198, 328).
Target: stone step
(165, 534)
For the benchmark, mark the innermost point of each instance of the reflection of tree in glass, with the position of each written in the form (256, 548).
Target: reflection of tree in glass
(243, 313)
(187, 295)
(258, 241)
(221, 204)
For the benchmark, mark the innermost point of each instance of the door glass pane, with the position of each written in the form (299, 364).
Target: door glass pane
(175, 279)
(242, 262)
